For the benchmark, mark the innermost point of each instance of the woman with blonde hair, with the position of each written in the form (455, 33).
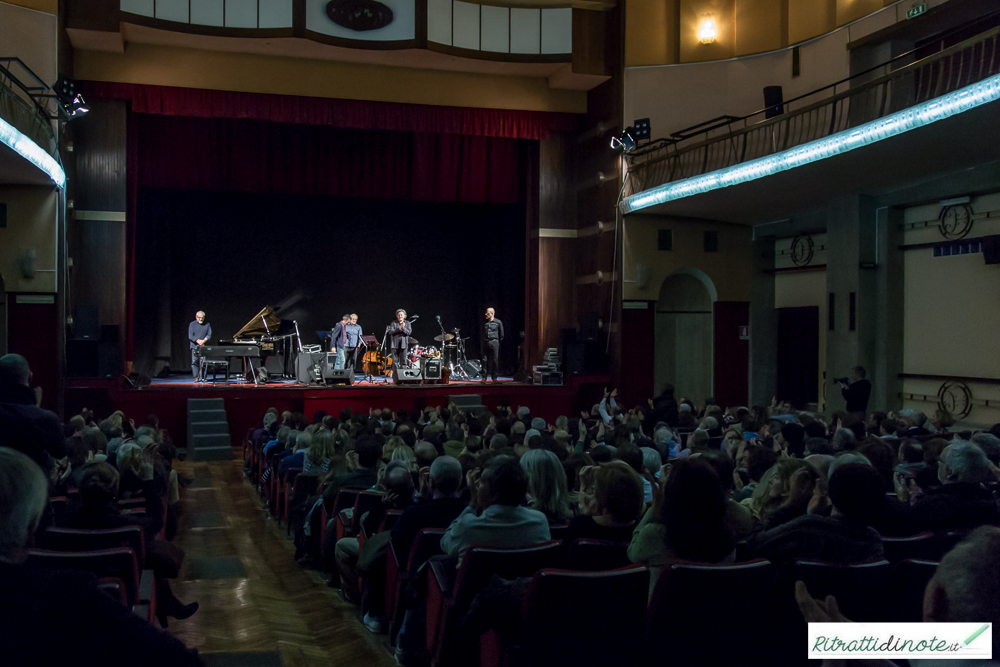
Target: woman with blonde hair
(783, 493)
(405, 454)
(320, 453)
(547, 490)
(391, 445)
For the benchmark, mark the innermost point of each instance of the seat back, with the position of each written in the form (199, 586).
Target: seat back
(860, 591)
(119, 562)
(427, 543)
(907, 584)
(558, 531)
(922, 545)
(78, 539)
(684, 612)
(345, 498)
(556, 602)
(389, 520)
(595, 555)
(480, 563)
(114, 588)
(365, 501)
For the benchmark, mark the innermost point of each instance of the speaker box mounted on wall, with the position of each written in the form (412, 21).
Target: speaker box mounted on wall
(406, 376)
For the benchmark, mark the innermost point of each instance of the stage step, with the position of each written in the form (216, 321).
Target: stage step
(206, 404)
(470, 403)
(208, 430)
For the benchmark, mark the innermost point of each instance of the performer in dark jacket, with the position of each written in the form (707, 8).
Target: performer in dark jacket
(490, 344)
(199, 333)
(399, 338)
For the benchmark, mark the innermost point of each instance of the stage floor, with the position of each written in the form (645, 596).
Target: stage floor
(186, 381)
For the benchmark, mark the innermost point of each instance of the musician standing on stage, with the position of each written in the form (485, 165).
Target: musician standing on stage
(353, 340)
(338, 338)
(399, 337)
(490, 344)
(199, 333)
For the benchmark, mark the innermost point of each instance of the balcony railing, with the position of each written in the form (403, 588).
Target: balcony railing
(891, 87)
(28, 104)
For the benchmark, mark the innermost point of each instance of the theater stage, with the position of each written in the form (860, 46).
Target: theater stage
(246, 404)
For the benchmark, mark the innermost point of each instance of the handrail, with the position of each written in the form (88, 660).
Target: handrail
(30, 116)
(831, 114)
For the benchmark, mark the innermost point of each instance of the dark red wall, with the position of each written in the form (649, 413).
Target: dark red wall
(638, 353)
(32, 332)
(732, 355)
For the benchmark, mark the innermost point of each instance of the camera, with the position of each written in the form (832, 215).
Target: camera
(841, 381)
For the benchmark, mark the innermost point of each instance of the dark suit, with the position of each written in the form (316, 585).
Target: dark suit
(856, 394)
(399, 341)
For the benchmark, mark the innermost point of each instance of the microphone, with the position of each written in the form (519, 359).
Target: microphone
(438, 318)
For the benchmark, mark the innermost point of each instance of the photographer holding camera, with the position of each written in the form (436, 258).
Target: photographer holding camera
(855, 391)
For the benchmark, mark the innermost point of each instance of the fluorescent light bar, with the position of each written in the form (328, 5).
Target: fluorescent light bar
(32, 152)
(925, 113)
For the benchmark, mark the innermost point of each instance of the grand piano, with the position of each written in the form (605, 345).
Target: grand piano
(265, 335)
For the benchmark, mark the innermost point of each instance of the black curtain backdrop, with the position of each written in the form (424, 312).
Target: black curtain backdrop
(798, 355)
(230, 254)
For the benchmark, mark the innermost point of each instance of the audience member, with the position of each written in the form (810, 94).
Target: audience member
(610, 503)
(26, 427)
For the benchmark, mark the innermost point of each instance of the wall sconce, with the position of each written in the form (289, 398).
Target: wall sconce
(708, 30)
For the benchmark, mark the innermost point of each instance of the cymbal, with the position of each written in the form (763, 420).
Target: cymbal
(446, 336)
(413, 341)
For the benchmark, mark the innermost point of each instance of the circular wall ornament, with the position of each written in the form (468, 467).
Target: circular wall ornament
(802, 250)
(955, 221)
(359, 15)
(955, 398)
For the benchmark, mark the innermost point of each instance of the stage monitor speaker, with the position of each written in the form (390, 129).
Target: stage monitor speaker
(338, 375)
(774, 102)
(275, 365)
(406, 375)
(432, 369)
(85, 323)
(590, 326)
(308, 367)
(473, 369)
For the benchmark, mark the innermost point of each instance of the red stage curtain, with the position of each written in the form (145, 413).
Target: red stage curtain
(353, 114)
(177, 152)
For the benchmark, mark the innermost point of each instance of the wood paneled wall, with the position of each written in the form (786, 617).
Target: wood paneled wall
(598, 179)
(97, 187)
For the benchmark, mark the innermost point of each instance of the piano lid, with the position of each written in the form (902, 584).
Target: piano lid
(255, 328)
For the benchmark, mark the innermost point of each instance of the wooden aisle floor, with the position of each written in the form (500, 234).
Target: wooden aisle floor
(258, 607)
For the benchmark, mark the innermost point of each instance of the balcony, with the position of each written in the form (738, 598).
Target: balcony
(767, 165)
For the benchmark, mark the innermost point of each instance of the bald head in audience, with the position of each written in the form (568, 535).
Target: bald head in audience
(14, 369)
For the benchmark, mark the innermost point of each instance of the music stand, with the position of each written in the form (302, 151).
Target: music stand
(368, 341)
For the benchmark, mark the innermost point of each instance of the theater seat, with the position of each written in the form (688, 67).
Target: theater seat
(114, 588)
(554, 629)
(860, 591)
(922, 546)
(301, 490)
(596, 555)
(398, 575)
(907, 584)
(687, 610)
(285, 485)
(449, 595)
(363, 502)
(119, 563)
(78, 539)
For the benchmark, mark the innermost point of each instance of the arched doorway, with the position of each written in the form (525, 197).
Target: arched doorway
(684, 334)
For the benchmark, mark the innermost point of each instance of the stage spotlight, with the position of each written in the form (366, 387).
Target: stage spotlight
(642, 130)
(625, 141)
(70, 99)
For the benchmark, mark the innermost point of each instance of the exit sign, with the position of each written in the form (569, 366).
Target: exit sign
(916, 10)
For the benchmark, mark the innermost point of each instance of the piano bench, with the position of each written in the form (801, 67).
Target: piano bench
(215, 366)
